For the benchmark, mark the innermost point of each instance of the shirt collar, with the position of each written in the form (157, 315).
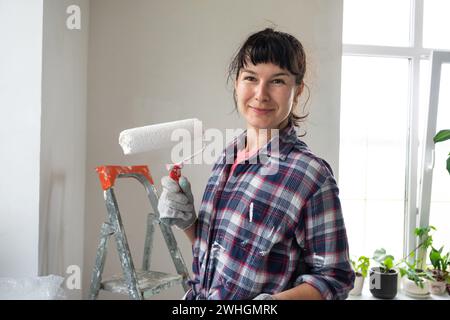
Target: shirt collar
(287, 139)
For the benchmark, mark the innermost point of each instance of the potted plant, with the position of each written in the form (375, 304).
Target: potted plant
(383, 279)
(361, 267)
(439, 273)
(416, 283)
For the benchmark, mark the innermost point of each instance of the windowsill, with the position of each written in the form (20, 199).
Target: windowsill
(401, 295)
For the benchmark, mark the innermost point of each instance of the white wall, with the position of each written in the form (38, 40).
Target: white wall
(43, 83)
(157, 61)
(63, 139)
(20, 126)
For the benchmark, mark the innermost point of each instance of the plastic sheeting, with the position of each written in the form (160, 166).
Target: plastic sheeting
(32, 288)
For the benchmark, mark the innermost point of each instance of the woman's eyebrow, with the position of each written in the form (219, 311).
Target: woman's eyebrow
(280, 74)
(274, 75)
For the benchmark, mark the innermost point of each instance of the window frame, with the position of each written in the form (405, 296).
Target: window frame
(415, 52)
(438, 58)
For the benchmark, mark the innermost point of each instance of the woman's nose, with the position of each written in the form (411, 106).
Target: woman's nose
(261, 92)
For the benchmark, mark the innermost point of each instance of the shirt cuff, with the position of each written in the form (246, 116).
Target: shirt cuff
(317, 283)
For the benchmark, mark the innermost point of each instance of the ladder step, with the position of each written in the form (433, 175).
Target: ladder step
(149, 282)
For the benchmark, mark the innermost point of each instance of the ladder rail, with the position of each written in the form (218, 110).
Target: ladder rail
(106, 232)
(123, 248)
(148, 244)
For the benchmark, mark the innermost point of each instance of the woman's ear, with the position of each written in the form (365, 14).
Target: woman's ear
(298, 92)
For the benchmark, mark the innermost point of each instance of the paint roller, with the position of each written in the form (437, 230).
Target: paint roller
(157, 136)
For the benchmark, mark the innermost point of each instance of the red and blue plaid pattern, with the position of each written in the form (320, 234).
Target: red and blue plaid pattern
(260, 233)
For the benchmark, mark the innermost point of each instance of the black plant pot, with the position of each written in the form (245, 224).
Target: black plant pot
(383, 285)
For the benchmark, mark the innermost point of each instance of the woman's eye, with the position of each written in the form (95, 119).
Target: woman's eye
(250, 78)
(278, 81)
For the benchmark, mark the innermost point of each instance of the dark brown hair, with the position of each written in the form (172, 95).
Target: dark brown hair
(270, 46)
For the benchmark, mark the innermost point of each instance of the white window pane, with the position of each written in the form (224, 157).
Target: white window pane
(385, 221)
(364, 221)
(440, 218)
(377, 22)
(373, 151)
(436, 24)
(355, 224)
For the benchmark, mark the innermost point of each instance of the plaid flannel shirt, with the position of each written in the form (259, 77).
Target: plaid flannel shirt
(268, 233)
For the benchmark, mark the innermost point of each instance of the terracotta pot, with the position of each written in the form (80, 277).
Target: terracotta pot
(438, 287)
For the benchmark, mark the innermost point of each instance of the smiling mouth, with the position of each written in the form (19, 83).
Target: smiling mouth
(261, 111)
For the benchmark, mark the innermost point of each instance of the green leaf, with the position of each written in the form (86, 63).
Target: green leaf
(419, 283)
(442, 136)
(448, 165)
(364, 263)
(435, 258)
(379, 255)
(420, 231)
(402, 272)
(389, 262)
(424, 230)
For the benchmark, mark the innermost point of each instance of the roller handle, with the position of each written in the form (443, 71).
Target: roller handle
(175, 169)
(175, 172)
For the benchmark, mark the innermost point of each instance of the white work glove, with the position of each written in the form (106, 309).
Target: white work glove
(264, 296)
(176, 203)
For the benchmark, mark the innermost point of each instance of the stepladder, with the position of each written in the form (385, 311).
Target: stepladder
(142, 283)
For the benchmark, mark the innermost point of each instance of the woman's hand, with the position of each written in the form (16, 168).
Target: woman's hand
(176, 203)
(264, 296)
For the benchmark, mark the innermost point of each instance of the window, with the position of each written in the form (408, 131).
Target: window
(384, 101)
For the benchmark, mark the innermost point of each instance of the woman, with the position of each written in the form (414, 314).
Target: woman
(261, 233)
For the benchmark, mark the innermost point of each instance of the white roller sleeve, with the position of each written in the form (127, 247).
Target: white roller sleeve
(156, 136)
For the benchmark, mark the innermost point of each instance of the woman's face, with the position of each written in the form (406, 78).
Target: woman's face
(265, 95)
